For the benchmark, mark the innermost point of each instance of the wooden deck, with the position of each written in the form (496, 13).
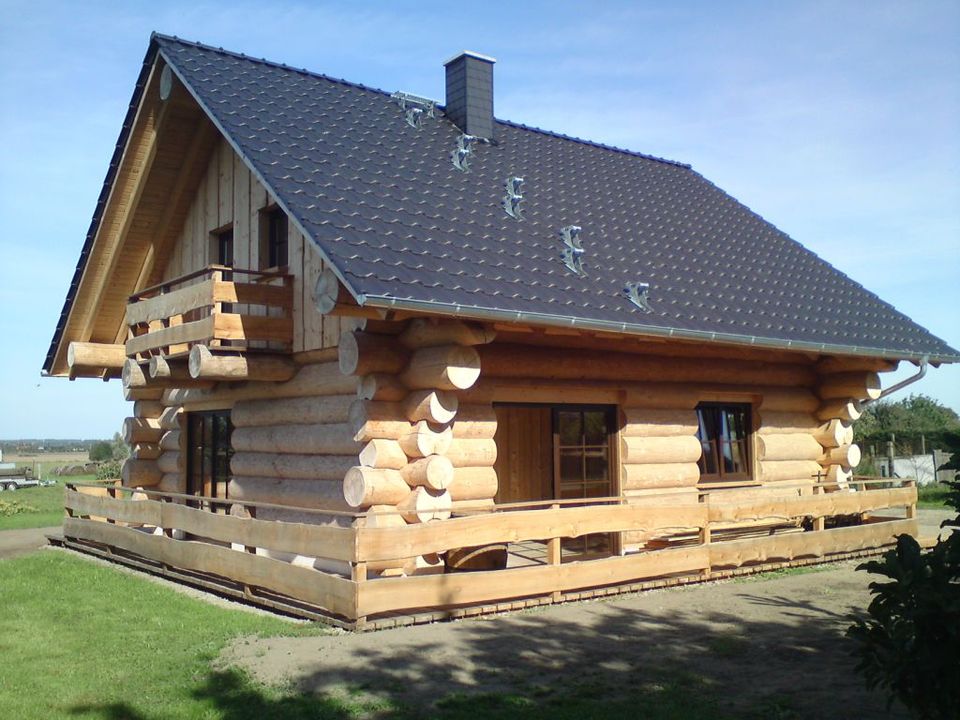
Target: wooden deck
(159, 529)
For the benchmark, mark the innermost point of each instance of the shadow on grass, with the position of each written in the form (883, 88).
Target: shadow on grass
(789, 661)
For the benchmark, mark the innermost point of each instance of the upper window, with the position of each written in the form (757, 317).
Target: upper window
(273, 247)
(724, 433)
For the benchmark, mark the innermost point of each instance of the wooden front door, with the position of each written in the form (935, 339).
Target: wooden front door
(524, 453)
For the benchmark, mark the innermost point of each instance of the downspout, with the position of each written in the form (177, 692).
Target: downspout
(924, 364)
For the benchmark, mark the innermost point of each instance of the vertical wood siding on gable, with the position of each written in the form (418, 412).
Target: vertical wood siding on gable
(230, 194)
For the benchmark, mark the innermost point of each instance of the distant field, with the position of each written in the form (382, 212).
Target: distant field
(45, 462)
(35, 507)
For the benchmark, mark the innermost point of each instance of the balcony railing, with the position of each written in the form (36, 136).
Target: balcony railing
(212, 307)
(162, 528)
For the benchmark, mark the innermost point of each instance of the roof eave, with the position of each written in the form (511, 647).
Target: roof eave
(640, 329)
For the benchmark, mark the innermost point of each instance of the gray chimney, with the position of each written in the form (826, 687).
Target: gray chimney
(470, 93)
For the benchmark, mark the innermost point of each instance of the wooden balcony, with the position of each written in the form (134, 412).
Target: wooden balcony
(376, 584)
(218, 307)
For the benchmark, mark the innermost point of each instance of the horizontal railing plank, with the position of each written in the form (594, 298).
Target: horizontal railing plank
(734, 553)
(190, 332)
(822, 505)
(145, 512)
(176, 302)
(333, 593)
(336, 543)
(232, 326)
(393, 543)
(385, 595)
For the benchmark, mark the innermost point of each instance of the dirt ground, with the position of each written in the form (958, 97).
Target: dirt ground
(23, 542)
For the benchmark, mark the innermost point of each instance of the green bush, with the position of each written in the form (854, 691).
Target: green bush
(11, 508)
(109, 470)
(100, 451)
(909, 645)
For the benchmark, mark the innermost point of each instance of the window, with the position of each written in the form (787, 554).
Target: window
(273, 246)
(223, 247)
(724, 434)
(582, 439)
(208, 453)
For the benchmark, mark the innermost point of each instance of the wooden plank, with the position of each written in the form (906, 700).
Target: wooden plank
(388, 594)
(225, 185)
(278, 296)
(176, 302)
(336, 543)
(808, 544)
(390, 543)
(196, 331)
(328, 591)
(230, 326)
(145, 512)
(313, 338)
(296, 285)
(838, 503)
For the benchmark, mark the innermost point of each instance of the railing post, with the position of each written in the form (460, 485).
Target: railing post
(820, 521)
(912, 507)
(554, 556)
(705, 536)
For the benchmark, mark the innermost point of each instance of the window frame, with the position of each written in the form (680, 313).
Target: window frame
(748, 475)
(270, 242)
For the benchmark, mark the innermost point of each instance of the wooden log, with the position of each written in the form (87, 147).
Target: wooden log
(856, 385)
(142, 393)
(83, 356)
(788, 447)
(475, 422)
(848, 410)
(172, 483)
(291, 466)
(434, 472)
(170, 440)
(447, 367)
(433, 332)
(148, 408)
(141, 430)
(313, 494)
(505, 360)
(364, 486)
(319, 439)
(472, 507)
(378, 325)
(780, 423)
(787, 399)
(373, 419)
(292, 411)
(660, 450)
(658, 422)
(329, 295)
(380, 516)
(204, 365)
(379, 386)
(838, 475)
(421, 440)
(313, 380)
(778, 470)
(846, 455)
(472, 453)
(170, 462)
(363, 353)
(145, 451)
(665, 475)
(380, 453)
(473, 483)
(423, 505)
(833, 434)
(160, 367)
(170, 418)
(842, 364)
(140, 473)
(436, 406)
(133, 376)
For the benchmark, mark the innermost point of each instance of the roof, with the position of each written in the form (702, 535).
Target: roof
(404, 228)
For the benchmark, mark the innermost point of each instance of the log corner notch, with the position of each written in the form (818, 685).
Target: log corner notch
(100, 360)
(331, 298)
(227, 366)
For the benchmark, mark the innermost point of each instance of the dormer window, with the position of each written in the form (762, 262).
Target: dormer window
(273, 238)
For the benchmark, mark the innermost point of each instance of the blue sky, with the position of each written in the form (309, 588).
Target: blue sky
(837, 121)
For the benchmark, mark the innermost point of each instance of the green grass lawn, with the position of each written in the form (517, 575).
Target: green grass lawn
(83, 640)
(35, 507)
(932, 496)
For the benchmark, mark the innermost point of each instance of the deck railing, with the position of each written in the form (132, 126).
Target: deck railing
(212, 307)
(163, 528)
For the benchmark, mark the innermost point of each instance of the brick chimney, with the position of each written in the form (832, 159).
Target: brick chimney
(470, 93)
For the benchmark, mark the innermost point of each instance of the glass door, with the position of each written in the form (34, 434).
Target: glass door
(583, 466)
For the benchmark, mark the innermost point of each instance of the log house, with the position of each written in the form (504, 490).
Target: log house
(431, 384)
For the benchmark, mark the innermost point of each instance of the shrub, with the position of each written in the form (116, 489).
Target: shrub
(100, 451)
(909, 645)
(109, 470)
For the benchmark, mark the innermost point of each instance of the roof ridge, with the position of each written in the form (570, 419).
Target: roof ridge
(349, 83)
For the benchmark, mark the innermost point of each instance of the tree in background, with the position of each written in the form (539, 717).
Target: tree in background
(908, 420)
(121, 451)
(101, 451)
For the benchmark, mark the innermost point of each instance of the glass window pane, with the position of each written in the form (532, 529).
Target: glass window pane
(596, 466)
(570, 427)
(571, 466)
(595, 427)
